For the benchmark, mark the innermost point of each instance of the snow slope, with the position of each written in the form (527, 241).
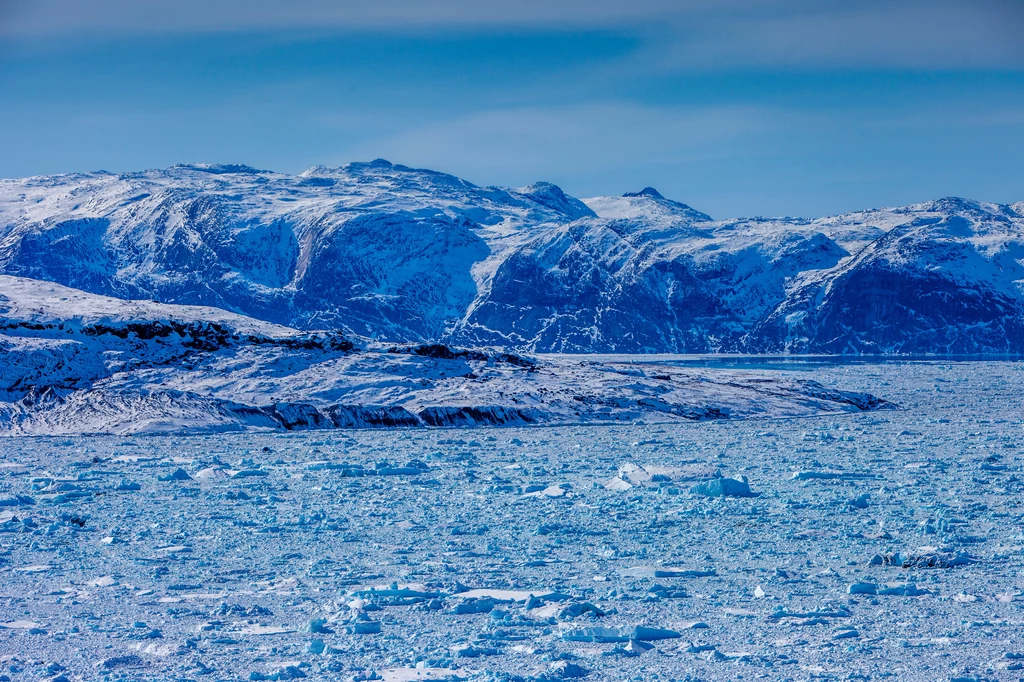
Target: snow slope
(74, 362)
(408, 255)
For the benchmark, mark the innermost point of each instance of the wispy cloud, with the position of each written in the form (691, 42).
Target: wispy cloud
(573, 141)
(684, 33)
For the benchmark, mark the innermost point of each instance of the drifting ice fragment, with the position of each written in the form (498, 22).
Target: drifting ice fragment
(623, 634)
(262, 630)
(178, 474)
(664, 572)
(723, 487)
(474, 605)
(318, 626)
(211, 473)
(902, 590)
(363, 625)
(565, 670)
(511, 595)
(412, 675)
(556, 490)
(470, 651)
(862, 588)
(105, 581)
(923, 559)
(617, 483)
(831, 475)
(566, 611)
(247, 473)
(16, 501)
(19, 625)
(861, 501)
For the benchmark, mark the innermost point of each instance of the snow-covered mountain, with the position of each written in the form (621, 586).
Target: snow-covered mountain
(407, 255)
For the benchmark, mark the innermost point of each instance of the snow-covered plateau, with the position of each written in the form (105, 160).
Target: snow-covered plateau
(74, 363)
(854, 546)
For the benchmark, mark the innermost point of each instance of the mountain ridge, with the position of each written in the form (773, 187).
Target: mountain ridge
(400, 254)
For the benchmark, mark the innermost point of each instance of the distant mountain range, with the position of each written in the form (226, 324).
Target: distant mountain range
(397, 254)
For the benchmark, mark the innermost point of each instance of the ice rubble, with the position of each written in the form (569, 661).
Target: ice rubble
(422, 555)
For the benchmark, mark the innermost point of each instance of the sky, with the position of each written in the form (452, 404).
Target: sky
(736, 107)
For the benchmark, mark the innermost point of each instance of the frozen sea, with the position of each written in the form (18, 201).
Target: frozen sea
(883, 545)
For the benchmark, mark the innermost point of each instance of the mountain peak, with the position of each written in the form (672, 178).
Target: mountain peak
(645, 192)
(220, 168)
(551, 195)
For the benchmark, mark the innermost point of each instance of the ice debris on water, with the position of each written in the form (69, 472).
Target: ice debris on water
(621, 634)
(178, 474)
(417, 555)
(923, 559)
(723, 487)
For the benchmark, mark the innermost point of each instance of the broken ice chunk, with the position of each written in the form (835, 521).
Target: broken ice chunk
(178, 474)
(19, 625)
(105, 581)
(566, 611)
(565, 670)
(556, 490)
(246, 473)
(363, 625)
(471, 651)
(860, 502)
(621, 634)
(16, 501)
(902, 590)
(631, 649)
(723, 487)
(862, 588)
(617, 484)
(396, 595)
(412, 468)
(213, 472)
(831, 475)
(664, 572)
(473, 605)
(262, 630)
(925, 558)
(318, 626)
(511, 595)
(633, 473)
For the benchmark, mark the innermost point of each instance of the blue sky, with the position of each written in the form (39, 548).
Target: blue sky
(737, 107)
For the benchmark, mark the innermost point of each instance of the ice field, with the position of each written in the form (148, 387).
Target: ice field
(861, 546)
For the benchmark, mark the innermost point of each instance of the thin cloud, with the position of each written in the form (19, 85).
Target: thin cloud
(683, 33)
(569, 140)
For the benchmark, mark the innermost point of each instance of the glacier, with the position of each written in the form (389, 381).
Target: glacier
(72, 362)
